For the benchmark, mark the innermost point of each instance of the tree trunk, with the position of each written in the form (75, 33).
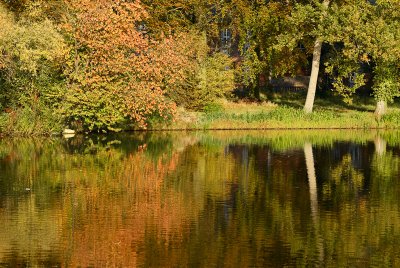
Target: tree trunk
(380, 109)
(312, 86)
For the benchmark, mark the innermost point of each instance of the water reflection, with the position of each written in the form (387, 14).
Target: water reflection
(201, 199)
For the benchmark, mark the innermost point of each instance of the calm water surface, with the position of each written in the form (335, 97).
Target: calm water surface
(202, 199)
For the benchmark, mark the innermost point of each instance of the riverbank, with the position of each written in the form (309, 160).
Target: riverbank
(228, 115)
(272, 116)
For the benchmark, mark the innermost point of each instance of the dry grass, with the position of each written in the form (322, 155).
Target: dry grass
(244, 106)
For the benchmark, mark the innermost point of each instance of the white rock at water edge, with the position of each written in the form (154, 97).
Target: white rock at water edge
(68, 131)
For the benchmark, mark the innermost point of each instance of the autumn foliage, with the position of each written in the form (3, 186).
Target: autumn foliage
(116, 72)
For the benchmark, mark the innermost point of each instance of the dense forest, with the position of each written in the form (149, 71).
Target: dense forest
(110, 65)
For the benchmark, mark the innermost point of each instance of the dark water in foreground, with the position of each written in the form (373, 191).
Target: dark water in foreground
(215, 199)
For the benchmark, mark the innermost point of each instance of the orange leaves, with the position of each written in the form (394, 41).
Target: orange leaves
(121, 58)
(108, 29)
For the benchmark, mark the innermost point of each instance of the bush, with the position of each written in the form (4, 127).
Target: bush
(207, 78)
(213, 107)
(32, 55)
(26, 121)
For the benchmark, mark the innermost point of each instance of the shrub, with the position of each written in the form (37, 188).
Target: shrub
(207, 77)
(31, 57)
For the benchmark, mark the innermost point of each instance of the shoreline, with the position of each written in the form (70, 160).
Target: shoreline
(239, 117)
(160, 130)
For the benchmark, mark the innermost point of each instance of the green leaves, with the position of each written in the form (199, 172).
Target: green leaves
(208, 77)
(31, 46)
(386, 82)
(32, 54)
(364, 36)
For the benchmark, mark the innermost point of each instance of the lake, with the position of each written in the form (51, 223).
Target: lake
(202, 199)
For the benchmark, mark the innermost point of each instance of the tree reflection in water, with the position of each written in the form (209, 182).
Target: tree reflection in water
(200, 199)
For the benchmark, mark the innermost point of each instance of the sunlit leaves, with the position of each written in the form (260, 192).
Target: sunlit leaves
(112, 60)
(205, 77)
(367, 34)
(386, 82)
(32, 54)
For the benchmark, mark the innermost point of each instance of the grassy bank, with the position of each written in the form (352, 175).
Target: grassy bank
(266, 115)
(279, 113)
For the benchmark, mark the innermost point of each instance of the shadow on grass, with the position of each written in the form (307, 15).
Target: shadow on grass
(295, 98)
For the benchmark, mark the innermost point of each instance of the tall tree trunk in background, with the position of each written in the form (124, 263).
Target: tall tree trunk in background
(312, 86)
(380, 109)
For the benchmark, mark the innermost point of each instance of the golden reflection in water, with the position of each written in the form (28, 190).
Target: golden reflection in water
(201, 199)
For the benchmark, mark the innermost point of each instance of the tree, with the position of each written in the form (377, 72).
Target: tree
(308, 106)
(305, 22)
(210, 74)
(116, 73)
(366, 36)
(383, 46)
(279, 37)
(259, 27)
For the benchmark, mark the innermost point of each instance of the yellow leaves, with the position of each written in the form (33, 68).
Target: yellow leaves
(7, 23)
(364, 58)
(25, 46)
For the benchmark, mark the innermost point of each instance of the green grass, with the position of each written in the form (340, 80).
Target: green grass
(287, 113)
(274, 112)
